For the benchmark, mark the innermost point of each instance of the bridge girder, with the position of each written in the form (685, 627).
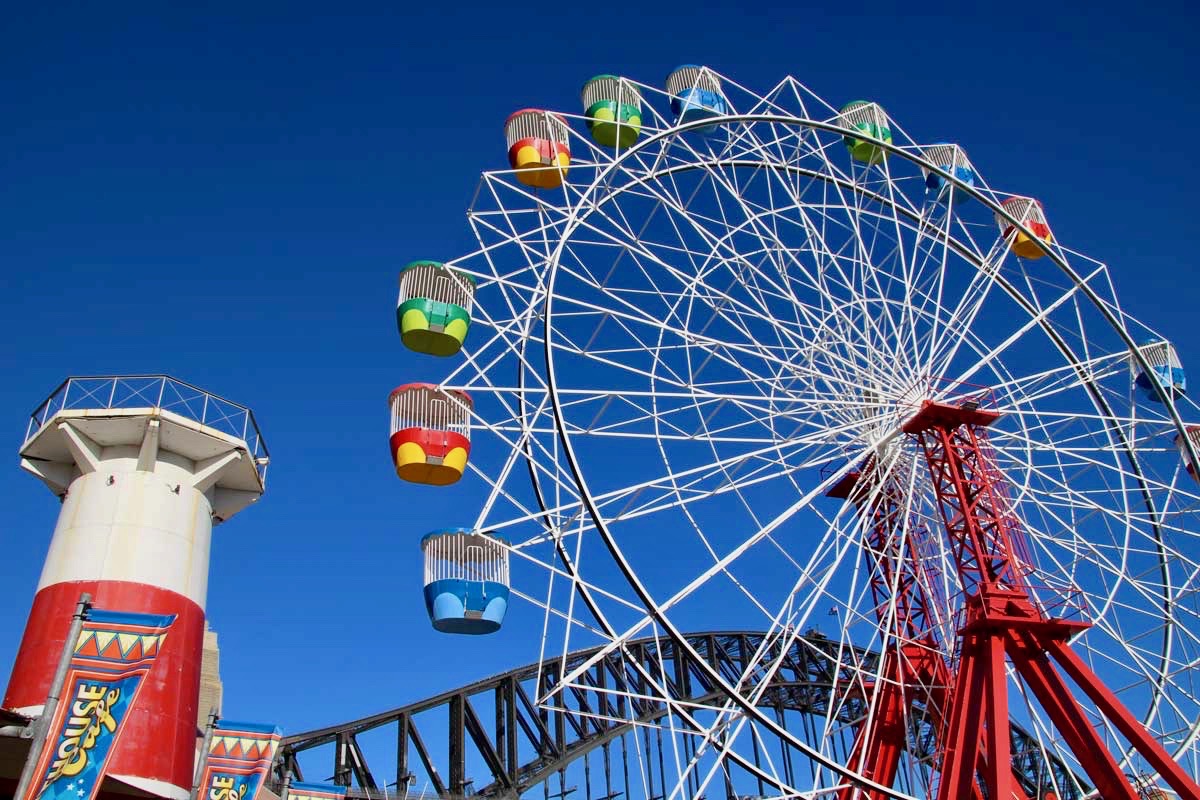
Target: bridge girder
(522, 743)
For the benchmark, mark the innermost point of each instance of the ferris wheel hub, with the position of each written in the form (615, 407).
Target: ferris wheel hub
(946, 415)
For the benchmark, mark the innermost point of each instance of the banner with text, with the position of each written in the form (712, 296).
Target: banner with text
(315, 791)
(112, 657)
(239, 756)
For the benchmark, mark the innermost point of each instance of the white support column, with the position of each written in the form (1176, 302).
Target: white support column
(55, 474)
(210, 470)
(85, 451)
(148, 453)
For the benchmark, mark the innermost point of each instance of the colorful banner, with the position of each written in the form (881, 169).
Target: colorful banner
(315, 791)
(113, 655)
(239, 756)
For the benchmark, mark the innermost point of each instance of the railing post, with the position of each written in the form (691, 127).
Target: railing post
(41, 727)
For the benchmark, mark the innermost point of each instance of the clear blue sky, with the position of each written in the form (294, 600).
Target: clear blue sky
(226, 195)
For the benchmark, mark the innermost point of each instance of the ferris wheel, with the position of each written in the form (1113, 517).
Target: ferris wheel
(736, 361)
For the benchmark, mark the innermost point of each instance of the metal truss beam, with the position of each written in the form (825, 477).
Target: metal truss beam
(604, 716)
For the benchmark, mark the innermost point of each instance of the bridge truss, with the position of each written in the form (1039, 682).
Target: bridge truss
(603, 737)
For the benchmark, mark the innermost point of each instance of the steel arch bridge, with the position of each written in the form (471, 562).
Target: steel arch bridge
(498, 724)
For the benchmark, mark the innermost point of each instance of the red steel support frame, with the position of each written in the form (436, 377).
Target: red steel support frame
(913, 671)
(1003, 621)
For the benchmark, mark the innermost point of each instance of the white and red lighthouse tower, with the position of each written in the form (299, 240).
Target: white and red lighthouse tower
(144, 467)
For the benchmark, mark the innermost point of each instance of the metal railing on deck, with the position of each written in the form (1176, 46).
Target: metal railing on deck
(154, 391)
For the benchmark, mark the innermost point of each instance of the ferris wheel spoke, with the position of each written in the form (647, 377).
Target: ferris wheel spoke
(751, 214)
(505, 222)
(1062, 487)
(730, 353)
(629, 307)
(762, 671)
(714, 480)
(745, 312)
(959, 321)
(1039, 319)
(1026, 392)
(723, 563)
(925, 288)
(870, 264)
(883, 333)
(665, 493)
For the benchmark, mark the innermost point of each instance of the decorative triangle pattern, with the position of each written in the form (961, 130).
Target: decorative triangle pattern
(87, 647)
(112, 650)
(127, 640)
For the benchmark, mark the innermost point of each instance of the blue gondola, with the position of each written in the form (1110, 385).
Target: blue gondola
(696, 94)
(1165, 369)
(466, 580)
(952, 159)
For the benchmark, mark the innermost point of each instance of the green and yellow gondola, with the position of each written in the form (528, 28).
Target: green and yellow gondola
(613, 107)
(870, 122)
(433, 311)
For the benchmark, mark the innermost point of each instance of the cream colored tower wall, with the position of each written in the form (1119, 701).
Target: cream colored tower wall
(122, 524)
